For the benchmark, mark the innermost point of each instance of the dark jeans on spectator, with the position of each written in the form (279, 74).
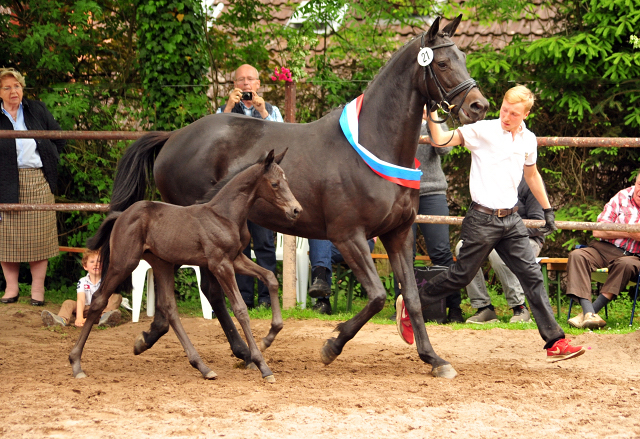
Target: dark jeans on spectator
(265, 251)
(436, 237)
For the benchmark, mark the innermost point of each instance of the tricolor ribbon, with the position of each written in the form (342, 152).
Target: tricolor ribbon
(397, 174)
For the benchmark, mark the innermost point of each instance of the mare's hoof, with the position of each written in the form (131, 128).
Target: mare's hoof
(211, 375)
(263, 345)
(444, 371)
(139, 346)
(327, 354)
(80, 375)
(243, 365)
(270, 379)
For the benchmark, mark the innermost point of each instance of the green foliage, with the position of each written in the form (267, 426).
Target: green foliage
(172, 60)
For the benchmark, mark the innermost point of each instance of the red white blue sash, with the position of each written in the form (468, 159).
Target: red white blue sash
(397, 174)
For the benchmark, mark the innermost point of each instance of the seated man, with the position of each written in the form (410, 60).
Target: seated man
(618, 251)
(322, 254)
(528, 208)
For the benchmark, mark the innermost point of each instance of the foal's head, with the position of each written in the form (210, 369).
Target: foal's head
(274, 188)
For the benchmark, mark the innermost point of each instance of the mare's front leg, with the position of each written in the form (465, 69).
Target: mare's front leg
(356, 254)
(399, 246)
(216, 297)
(99, 301)
(244, 265)
(223, 270)
(166, 306)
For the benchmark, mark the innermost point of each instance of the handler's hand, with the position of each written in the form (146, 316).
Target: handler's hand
(80, 321)
(550, 222)
(234, 98)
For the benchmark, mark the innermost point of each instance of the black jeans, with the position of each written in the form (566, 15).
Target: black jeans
(265, 250)
(480, 234)
(436, 237)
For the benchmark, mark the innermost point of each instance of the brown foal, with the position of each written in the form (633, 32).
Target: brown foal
(211, 235)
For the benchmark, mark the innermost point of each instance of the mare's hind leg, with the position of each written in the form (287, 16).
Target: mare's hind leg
(166, 305)
(244, 265)
(400, 250)
(114, 277)
(356, 254)
(226, 276)
(216, 297)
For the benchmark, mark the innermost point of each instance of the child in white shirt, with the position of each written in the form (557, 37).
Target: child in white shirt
(87, 286)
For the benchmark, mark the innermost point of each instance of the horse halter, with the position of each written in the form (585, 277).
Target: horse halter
(445, 97)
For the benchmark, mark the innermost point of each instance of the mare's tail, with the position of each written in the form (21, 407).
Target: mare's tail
(100, 241)
(134, 170)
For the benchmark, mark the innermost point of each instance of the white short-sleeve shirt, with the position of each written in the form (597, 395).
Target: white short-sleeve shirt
(88, 288)
(497, 161)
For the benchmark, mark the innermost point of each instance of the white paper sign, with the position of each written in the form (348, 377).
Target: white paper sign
(425, 56)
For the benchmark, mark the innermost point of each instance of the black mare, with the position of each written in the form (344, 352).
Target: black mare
(342, 199)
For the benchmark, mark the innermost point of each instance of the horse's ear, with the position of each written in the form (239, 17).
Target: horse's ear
(268, 160)
(279, 157)
(450, 29)
(433, 30)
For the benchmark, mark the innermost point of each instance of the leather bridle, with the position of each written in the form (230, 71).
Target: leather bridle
(445, 97)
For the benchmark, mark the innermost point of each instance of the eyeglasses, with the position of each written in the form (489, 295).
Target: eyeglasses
(248, 79)
(15, 87)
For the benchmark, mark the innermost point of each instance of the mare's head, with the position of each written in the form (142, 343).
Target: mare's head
(444, 76)
(274, 188)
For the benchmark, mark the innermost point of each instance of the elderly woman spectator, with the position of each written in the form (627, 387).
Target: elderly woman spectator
(28, 174)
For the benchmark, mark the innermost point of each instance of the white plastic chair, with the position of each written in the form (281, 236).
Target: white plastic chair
(302, 266)
(138, 276)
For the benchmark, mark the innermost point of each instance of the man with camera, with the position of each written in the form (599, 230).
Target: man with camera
(244, 99)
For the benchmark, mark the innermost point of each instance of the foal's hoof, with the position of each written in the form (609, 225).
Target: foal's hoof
(80, 375)
(270, 379)
(139, 346)
(444, 371)
(263, 345)
(211, 375)
(244, 365)
(326, 353)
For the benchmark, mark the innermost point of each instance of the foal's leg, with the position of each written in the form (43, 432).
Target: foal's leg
(356, 254)
(212, 289)
(399, 246)
(226, 276)
(117, 273)
(244, 265)
(166, 305)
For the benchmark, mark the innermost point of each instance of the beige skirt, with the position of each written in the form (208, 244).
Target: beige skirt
(29, 236)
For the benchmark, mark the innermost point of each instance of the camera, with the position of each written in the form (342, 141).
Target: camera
(247, 96)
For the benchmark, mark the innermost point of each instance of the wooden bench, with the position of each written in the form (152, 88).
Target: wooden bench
(557, 265)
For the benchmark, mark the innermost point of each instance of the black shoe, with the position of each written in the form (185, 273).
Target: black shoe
(319, 285)
(455, 316)
(323, 307)
(266, 305)
(13, 299)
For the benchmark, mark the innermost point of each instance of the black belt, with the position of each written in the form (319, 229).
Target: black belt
(626, 253)
(500, 213)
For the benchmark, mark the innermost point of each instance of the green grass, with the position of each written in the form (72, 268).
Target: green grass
(617, 323)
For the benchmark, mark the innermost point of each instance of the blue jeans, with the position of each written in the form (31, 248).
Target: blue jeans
(265, 251)
(436, 237)
(322, 253)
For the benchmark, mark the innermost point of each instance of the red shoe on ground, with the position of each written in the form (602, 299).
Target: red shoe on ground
(402, 321)
(562, 350)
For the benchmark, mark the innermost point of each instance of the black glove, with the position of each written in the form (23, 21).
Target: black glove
(550, 222)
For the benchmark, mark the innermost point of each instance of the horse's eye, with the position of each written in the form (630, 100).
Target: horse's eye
(442, 65)
(274, 185)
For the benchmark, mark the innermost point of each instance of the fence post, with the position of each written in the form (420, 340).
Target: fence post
(289, 242)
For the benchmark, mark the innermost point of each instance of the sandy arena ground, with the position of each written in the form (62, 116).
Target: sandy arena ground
(378, 387)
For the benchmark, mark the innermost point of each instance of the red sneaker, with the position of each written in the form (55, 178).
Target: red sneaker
(562, 350)
(402, 321)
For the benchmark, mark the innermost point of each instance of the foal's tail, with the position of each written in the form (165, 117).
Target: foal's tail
(100, 241)
(134, 170)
